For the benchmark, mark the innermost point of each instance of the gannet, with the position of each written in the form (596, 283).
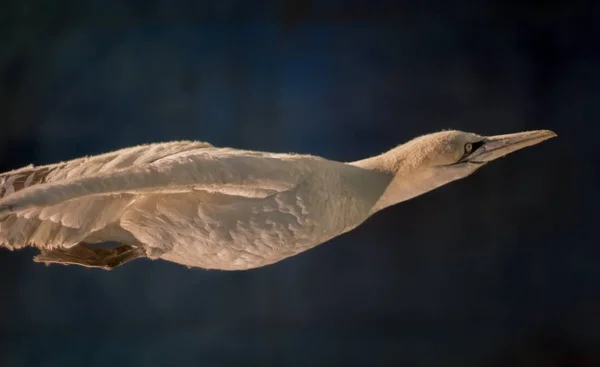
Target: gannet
(202, 206)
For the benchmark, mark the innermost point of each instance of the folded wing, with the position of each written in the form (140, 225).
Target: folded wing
(69, 222)
(63, 204)
(219, 170)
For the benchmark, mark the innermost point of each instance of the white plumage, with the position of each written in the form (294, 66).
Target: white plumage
(219, 208)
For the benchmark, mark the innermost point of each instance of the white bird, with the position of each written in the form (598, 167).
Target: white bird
(221, 208)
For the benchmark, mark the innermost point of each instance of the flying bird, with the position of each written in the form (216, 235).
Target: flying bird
(202, 206)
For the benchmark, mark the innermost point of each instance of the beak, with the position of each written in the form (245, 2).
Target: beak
(498, 146)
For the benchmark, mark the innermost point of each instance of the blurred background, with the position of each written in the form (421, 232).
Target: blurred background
(499, 269)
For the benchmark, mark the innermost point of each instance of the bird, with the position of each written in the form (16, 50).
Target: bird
(201, 206)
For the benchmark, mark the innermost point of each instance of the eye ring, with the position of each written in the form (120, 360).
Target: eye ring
(468, 148)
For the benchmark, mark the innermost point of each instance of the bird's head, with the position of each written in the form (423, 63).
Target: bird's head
(433, 160)
(463, 152)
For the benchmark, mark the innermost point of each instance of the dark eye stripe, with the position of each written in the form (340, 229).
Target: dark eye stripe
(477, 145)
(474, 147)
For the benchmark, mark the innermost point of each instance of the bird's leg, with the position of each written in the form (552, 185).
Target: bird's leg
(80, 254)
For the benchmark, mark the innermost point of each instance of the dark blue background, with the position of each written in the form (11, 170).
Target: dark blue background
(498, 269)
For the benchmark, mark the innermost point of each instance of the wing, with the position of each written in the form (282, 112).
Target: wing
(16, 180)
(69, 222)
(218, 170)
(68, 202)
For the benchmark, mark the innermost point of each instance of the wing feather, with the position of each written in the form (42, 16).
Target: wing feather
(66, 223)
(16, 180)
(212, 170)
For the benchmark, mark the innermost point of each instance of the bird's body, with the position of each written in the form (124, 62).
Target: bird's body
(214, 208)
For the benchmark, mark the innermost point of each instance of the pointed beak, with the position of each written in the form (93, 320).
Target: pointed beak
(498, 146)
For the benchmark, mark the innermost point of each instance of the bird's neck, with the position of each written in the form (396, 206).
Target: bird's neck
(408, 179)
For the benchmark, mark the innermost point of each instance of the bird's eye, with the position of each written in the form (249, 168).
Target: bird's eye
(468, 148)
